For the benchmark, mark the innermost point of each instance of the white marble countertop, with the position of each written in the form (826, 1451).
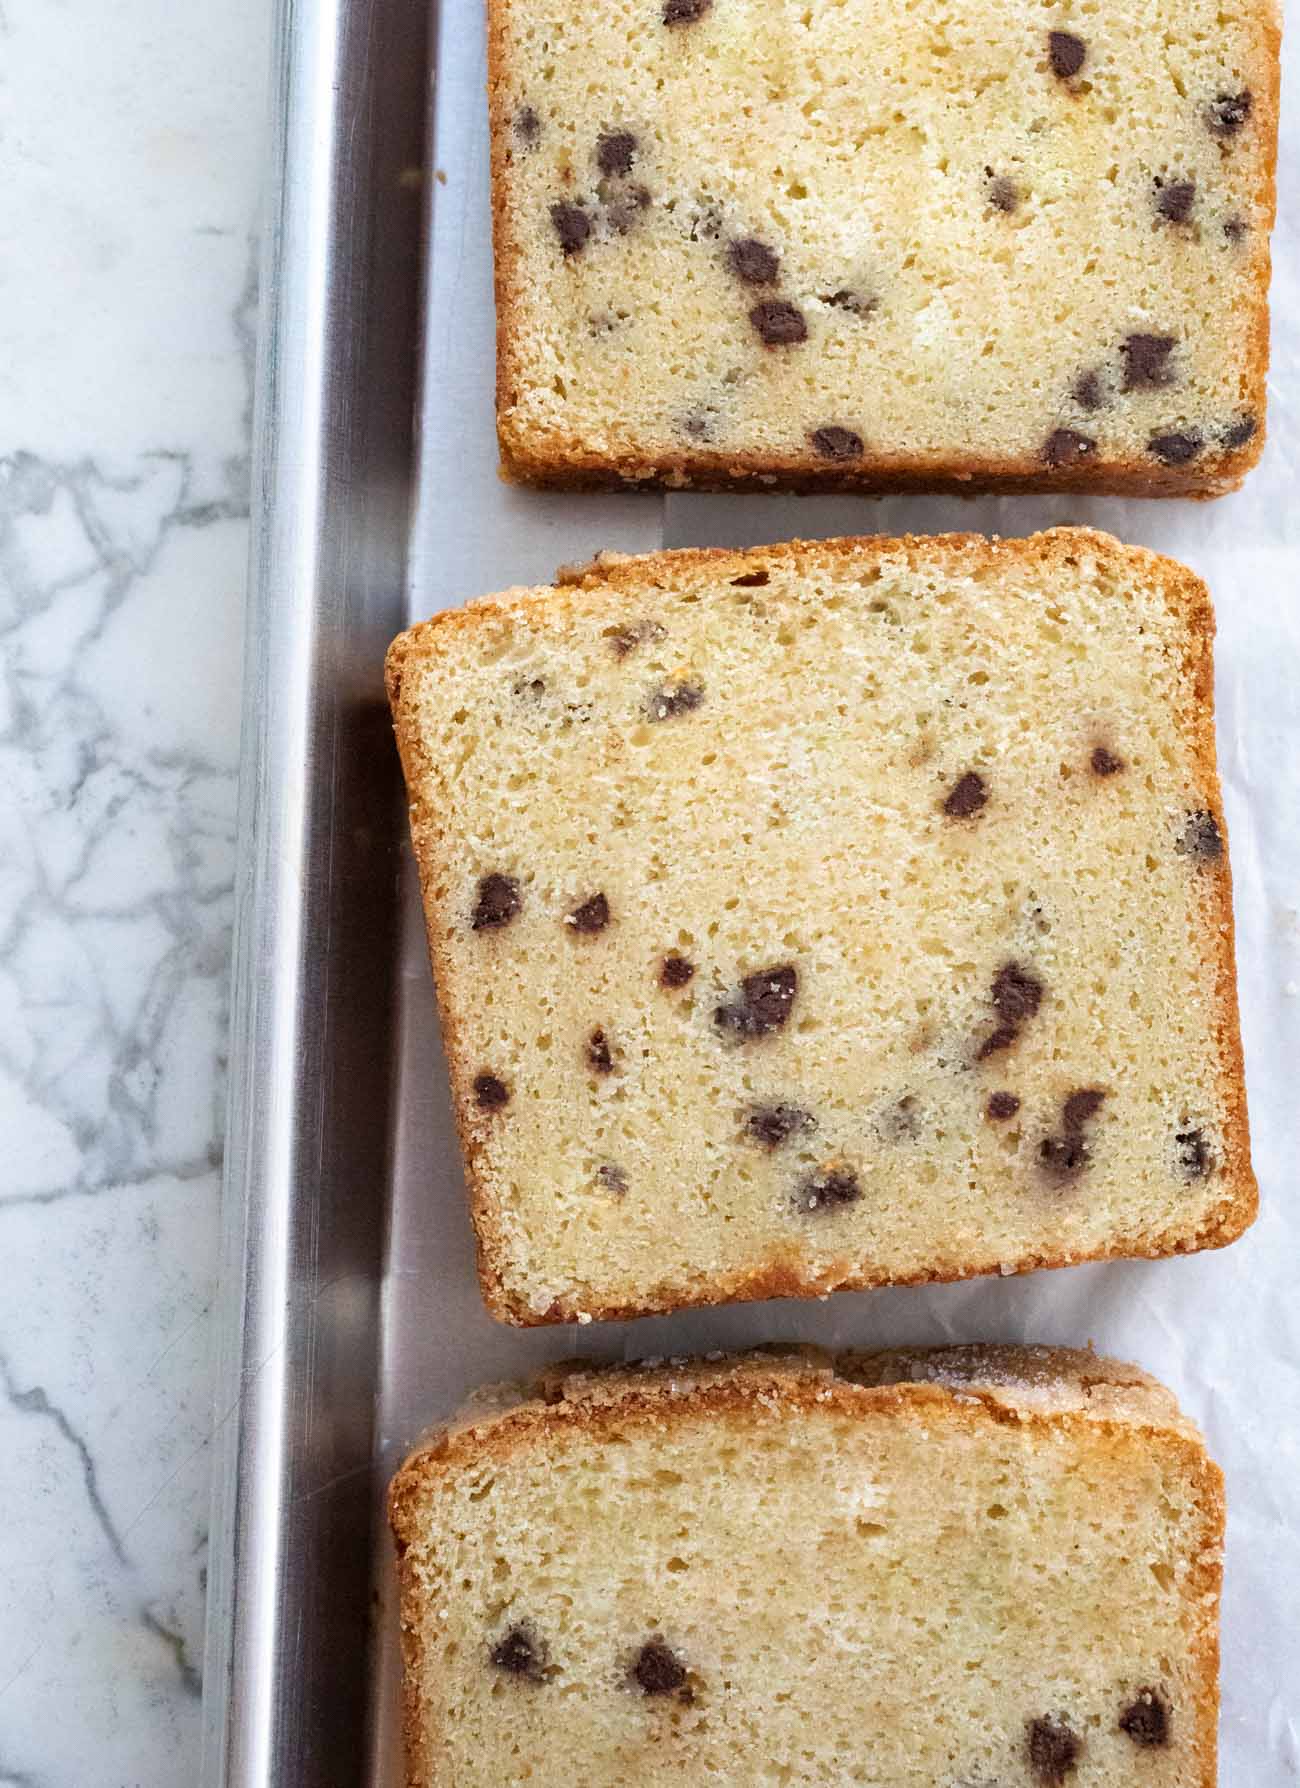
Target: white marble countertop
(131, 142)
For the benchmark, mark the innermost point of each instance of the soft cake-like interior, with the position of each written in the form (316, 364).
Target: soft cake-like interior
(829, 915)
(906, 1595)
(1020, 239)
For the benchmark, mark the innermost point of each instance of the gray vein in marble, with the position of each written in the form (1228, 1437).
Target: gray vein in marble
(34, 1402)
(190, 1674)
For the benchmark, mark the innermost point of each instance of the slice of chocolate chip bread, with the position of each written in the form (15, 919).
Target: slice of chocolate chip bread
(829, 915)
(876, 244)
(955, 1569)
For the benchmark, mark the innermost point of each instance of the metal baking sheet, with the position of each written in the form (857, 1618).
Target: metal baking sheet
(354, 1315)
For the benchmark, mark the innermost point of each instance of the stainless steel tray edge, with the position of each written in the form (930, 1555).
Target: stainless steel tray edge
(316, 899)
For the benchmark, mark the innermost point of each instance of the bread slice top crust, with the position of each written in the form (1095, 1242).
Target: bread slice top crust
(916, 1568)
(864, 917)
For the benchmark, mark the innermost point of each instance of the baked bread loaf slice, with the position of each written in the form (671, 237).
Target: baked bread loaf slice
(879, 245)
(829, 915)
(969, 1567)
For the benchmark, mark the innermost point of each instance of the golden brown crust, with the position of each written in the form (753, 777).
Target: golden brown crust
(1051, 1390)
(785, 1274)
(558, 461)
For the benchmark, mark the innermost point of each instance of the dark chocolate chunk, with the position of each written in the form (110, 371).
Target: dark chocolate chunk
(1053, 1749)
(1176, 449)
(1017, 993)
(1001, 1106)
(612, 1178)
(1227, 112)
(1201, 836)
(490, 1093)
(1066, 52)
(527, 127)
(497, 903)
(1004, 194)
(1088, 391)
(900, 1122)
(675, 699)
(658, 1670)
(1080, 1108)
(998, 1040)
(833, 442)
(763, 1004)
(592, 916)
(753, 261)
(615, 152)
(1103, 762)
(1173, 199)
(1235, 228)
(827, 1190)
(774, 1124)
(572, 226)
(1066, 446)
(1063, 1157)
(675, 971)
(1237, 433)
(520, 1653)
(1146, 1720)
(684, 12)
(858, 304)
(966, 796)
(779, 323)
(1146, 361)
(1194, 1155)
(600, 1057)
(627, 639)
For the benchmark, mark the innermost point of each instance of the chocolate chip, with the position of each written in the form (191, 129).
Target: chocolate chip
(674, 699)
(612, 1178)
(1004, 194)
(1174, 200)
(589, 918)
(519, 1653)
(533, 686)
(600, 1057)
(615, 152)
(497, 903)
(1227, 112)
(1053, 1750)
(966, 796)
(1235, 228)
(1066, 446)
(1237, 433)
(900, 1122)
(1001, 1106)
(527, 127)
(490, 1094)
(1176, 449)
(658, 1670)
(858, 304)
(827, 1190)
(779, 323)
(627, 639)
(772, 1125)
(1087, 390)
(1066, 52)
(763, 1004)
(1002, 1038)
(753, 261)
(1146, 361)
(572, 226)
(1104, 762)
(1063, 1157)
(1201, 837)
(1194, 1155)
(833, 442)
(675, 971)
(1017, 993)
(623, 213)
(1146, 1720)
(1080, 1108)
(698, 426)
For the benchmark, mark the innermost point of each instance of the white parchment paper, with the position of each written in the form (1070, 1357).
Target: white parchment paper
(1222, 1329)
